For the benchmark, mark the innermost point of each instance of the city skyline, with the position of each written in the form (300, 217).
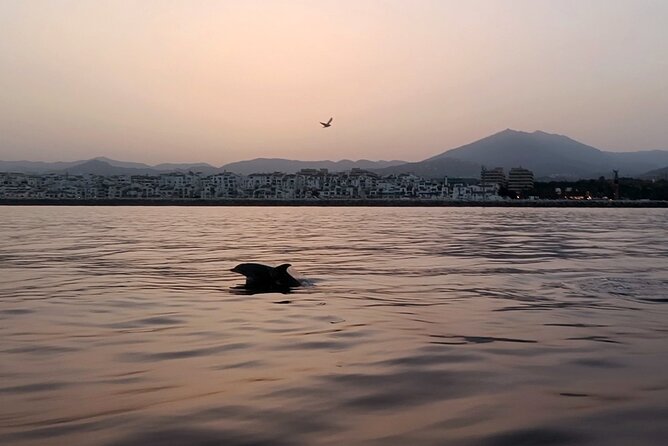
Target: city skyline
(224, 81)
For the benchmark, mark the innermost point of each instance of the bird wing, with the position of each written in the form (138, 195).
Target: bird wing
(330, 121)
(324, 124)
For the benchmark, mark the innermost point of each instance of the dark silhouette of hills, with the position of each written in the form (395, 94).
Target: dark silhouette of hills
(35, 166)
(543, 153)
(204, 168)
(549, 156)
(435, 168)
(643, 161)
(99, 167)
(291, 166)
(656, 174)
(103, 166)
(107, 166)
(117, 163)
(164, 167)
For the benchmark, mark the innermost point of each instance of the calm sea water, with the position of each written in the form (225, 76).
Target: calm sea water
(457, 326)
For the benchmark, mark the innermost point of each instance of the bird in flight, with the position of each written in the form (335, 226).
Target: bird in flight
(327, 124)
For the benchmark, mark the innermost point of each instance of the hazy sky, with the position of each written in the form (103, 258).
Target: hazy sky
(220, 81)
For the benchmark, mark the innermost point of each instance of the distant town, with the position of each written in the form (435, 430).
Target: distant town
(319, 184)
(520, 166)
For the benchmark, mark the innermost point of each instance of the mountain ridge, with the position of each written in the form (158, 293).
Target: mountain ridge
(549, 156)
(260, 165)
(107, 166)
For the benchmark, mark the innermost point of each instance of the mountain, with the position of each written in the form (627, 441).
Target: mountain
(637, 162)
(656, 174)
(107, 166)
(262, 165)
(99, 167)
(99, 164)
(547, 155)
(435, 168)
(35, 166)
(116, 163)
(204, 168)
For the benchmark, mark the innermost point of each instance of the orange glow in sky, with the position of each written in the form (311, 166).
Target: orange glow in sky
(220, 81)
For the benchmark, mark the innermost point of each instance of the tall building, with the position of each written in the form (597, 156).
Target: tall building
(493, 176)
(520, 180)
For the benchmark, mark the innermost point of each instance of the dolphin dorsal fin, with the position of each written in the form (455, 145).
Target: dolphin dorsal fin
(283, 277)
(283, 268)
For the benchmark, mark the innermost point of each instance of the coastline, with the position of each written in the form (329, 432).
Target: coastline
(333, 202)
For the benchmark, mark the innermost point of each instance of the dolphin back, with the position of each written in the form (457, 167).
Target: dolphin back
(260, 276)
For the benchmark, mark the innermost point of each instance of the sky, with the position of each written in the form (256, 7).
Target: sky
(222, 81)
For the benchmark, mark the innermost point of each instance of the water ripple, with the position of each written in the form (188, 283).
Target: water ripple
(429, 326)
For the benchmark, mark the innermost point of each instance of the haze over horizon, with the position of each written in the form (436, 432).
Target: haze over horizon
(225, 81)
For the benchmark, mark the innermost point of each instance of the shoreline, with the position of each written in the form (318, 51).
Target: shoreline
(334, 203)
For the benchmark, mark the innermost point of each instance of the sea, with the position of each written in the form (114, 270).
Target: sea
(415, 326)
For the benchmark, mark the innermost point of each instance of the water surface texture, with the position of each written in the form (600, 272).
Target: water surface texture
(419, 326)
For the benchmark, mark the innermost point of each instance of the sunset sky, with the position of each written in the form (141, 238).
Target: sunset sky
(221, 81)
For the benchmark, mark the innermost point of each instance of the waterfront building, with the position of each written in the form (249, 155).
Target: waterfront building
(224, 184)
(520, 180)
(493, 176)
(305, 184)
(476, 192)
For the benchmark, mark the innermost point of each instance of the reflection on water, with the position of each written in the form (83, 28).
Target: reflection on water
(458, 326)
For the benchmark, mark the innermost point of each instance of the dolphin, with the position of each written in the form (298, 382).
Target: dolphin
(263, 277)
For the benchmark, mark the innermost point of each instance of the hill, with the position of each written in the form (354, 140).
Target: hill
(435, 168)
(549, 156)
(204, 168)
(99, 167)
(107, 166)
(103, 166)
(656, 174)
(633, 163)
(545, 154)
(35, 166)
(259, 165)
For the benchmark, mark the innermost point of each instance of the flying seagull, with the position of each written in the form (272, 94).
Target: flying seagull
(327, 124)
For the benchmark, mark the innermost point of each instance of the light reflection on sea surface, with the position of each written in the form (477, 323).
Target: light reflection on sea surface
(425, 326)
